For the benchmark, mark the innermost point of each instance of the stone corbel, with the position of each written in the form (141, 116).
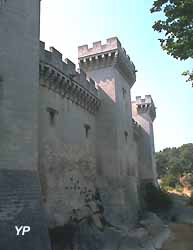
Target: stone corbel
(74, 91)
(59, 85)
(57, 80)
(52, 78)
(44, 74)
(92, 105)
(2, 3)
(65, 88)
(69, 91)
(82, 98)
(78, 99)
(89, 104)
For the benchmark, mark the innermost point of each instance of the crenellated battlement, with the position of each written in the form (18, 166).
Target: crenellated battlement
(103, 55)
(63, 78)
(146, 105)
(98, 48)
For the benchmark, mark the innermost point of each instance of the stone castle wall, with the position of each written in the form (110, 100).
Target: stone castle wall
(144, 115)
(69, 151)
(67, 135)
(143, 153)
(86, 138)
(114, 74)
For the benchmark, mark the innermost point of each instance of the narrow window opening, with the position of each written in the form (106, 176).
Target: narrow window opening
(52, 115)
(124, 92)
(126, 135)
(87, 128)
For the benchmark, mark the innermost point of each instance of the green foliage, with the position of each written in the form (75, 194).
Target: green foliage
(156, 199)
(177, 28)
(179, 188)
(172, 163)
(169, 181)
(189, 74)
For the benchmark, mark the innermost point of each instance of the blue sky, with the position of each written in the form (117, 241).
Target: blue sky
(67, 24)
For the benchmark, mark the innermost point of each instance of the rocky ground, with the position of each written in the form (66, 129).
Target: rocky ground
(173, 232)
(149, 234)
(181, 237)
(154, 234)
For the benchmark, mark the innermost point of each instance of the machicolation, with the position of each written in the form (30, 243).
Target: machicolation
(63, 78)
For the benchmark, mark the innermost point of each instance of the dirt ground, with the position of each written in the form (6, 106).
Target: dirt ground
(181, 237)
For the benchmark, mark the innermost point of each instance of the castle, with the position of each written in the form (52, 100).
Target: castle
(73, 145)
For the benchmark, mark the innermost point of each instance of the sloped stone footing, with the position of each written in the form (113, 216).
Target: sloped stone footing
(149, 236)
(20, 205)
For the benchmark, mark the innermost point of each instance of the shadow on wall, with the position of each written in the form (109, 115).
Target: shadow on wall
(108, 123)
(144, 153)
(63, 237)
(103, 131)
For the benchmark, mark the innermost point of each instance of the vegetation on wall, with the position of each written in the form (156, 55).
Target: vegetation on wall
(177, 29)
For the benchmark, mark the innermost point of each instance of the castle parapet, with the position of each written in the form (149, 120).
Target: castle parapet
(63, 78)
(102, 55)
(146, 105)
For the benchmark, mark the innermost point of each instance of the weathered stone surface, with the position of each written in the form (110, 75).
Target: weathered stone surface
(116, 238)
(153, 224)
(2, 3)
(20, 204)
(69, 141)
(144, 113)
(20, 191)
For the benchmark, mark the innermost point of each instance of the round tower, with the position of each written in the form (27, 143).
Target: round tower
(20, 195)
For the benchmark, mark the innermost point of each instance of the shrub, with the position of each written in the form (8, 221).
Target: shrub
(156, 200)
(169, 181)
(179, 188)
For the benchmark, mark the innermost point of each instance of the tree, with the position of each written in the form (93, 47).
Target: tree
(173, 163)
(177, 28)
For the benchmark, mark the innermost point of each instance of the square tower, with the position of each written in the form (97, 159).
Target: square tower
(114, 74)
(20, 192)
(144, 113)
